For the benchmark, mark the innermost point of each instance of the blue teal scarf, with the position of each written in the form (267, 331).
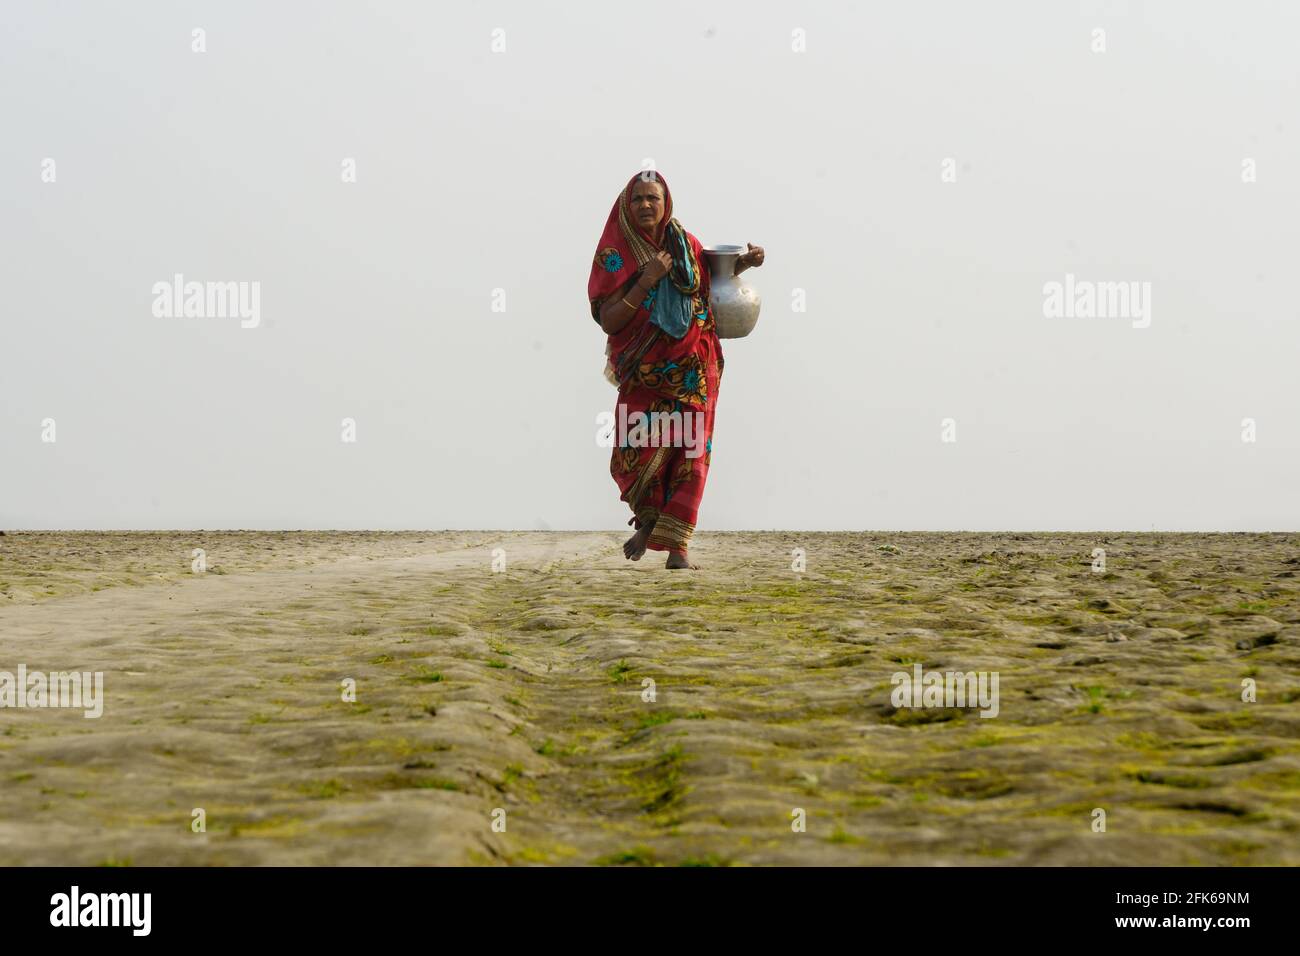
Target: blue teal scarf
(671, 306)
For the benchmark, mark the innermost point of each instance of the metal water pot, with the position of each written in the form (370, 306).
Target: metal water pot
(735, 304)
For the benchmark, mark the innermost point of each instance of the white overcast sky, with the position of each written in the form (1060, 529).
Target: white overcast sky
(479, 170)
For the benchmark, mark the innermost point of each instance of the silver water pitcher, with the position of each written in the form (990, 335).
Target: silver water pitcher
(735, 304)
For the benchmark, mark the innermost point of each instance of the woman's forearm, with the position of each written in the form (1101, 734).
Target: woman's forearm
(617, 313)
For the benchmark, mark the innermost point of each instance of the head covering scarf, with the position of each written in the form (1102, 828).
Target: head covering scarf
(625, 247)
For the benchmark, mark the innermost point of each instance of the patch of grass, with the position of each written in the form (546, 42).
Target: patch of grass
(382, 659)
(778, 591)
(1238, 848)
(637, 856)
(499, 665)
(323, 789)
(1233, 720)
(666, 789)
(657, 718)
(1184, 781)
(840, 835)
(866, 803)
(970, 784)
(918, 716)
(428, 677)
(396, 781)
(883, 776)
(618, 672)
(392, 748)
(1288, 780)
(1250, 755)
(545, 748)
(533, 855)
(905, 660)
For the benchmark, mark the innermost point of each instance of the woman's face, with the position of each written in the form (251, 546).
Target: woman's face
(648, 205)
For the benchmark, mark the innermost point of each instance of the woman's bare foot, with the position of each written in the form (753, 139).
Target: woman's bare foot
(634, 547)
(680, 562)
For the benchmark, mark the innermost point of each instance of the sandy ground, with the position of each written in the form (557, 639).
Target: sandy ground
(521, 697)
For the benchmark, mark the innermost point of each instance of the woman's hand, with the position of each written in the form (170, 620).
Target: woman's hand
(751, 259)
(656, 268)
(616, 313)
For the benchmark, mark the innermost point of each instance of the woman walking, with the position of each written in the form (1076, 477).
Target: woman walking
(649, 290)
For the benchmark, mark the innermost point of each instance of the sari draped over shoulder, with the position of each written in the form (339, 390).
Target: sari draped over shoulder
(667, 363)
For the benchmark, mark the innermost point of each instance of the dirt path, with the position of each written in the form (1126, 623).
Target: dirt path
(525, 691)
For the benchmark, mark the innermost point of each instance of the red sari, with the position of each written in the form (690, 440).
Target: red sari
(658, 373)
